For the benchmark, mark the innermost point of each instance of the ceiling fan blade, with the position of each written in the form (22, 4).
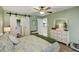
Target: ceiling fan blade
(47, 8)
(49, 12)
(36, 9)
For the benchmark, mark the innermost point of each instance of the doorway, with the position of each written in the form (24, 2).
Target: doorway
(42, 26)
(18, 26)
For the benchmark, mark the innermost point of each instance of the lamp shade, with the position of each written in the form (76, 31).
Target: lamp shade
(7, 29)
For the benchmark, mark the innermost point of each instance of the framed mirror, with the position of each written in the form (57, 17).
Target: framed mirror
(61, 23)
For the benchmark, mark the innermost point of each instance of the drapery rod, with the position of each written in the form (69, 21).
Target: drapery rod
(18, 14)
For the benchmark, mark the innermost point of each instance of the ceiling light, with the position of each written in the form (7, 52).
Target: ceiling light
(41, 12)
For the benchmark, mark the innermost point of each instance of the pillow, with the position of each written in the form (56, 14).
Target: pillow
(52, 48)
(13, 39)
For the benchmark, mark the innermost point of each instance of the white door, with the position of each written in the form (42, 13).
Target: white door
(42, 26)
(25, 23)
(45, 27)
(13, 25)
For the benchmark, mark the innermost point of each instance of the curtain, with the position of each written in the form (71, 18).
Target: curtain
(13, 24)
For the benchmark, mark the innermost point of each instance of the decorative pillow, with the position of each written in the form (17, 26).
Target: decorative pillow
(52, 48)
(13, 39)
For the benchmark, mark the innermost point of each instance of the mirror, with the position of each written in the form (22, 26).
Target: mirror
(61, 24)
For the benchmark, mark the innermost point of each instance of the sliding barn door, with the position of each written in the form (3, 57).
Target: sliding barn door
(13, 25)
(22, 26)
(25, 24)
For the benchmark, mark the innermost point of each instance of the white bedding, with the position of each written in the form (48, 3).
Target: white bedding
(5, 44)
(31, 43)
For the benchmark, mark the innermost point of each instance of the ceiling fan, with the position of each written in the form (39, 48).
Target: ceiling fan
(43, 9)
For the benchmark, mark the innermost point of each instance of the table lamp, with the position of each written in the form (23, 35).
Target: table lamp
(7, 29)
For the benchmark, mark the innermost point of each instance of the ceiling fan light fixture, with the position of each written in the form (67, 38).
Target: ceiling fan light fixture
(41, 12)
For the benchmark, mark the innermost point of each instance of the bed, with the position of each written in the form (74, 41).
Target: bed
(29, 43)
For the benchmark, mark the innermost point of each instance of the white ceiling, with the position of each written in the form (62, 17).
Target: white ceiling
(30, 10)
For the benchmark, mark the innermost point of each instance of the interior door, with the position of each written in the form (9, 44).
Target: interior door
(25, 23)
(13, 25)
(27, 26)
(45, 27)
(42, 26)
(18, 26)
